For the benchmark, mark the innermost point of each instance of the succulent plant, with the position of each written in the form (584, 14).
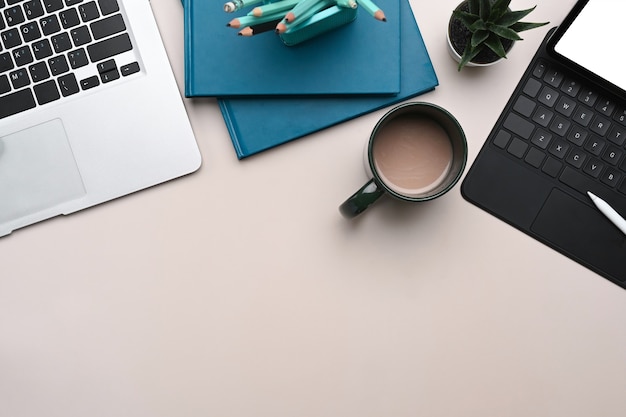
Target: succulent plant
(490, 23)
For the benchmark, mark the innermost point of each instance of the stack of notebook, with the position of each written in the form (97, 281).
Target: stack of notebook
(270, 93)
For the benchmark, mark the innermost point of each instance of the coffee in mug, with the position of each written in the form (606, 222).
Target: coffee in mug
(416, 152)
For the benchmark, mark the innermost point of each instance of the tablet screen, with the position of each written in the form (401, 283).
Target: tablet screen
(594, 40)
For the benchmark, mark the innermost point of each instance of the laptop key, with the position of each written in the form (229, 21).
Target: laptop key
(109, 76)
(69, 18)
(5, 85)
(6, 63)
(42, 49)
(30, 31)
(80, 36)
(16, 102)
(19, 78)
(524, 106)
(108, 6)
(33, 9)
(519, 125)
(552, 167)
(78, 58)
(68, 85)
(129, 69)
(88, 11)
(90, 82)
(611, 177)
(108, 26)
(61, 42)
(53, 5)
(109, 47)
(50, 24)
(571, 88)
(46, 92)
(600, 126)
(517, 148)
(58, 65)
(14, 16)
(11, 38)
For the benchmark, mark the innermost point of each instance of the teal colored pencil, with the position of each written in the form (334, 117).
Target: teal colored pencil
(312, 7)
(300, 8)
(270, 8)
(248, 20)
(303, 17)
(234, 5)
(372, 9)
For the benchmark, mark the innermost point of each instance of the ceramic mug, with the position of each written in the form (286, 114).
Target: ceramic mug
(416, 152)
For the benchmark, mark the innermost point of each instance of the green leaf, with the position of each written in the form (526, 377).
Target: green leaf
(495, 44)
(504, 32)
(485, 9)
(467, 19)
(478, 25)
(469, 54)
(522, 26)
(513, 17)
(473, 6)
(479, 37)
(498, 9)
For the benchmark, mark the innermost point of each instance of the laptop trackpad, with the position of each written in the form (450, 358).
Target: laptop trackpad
(37, 171)
(583, 232)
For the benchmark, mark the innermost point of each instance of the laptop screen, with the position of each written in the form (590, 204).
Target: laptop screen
(594, 39)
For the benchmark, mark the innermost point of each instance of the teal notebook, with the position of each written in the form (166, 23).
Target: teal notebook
(362, 57)
(257, 124)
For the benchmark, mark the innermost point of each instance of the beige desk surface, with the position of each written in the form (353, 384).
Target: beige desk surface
(239, 291)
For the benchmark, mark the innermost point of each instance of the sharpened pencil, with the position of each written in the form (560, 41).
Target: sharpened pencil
(300, 8)
(313, 8)
(244, 21)
(303, 17)
(260, 28)
(373, 9)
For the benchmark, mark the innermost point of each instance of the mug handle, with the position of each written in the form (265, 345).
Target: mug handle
(361, 200)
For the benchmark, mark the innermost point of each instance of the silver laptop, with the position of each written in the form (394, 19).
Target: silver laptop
(89, 108)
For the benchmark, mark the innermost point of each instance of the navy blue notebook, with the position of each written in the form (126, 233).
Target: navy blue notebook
(257, 124)
(362, 57)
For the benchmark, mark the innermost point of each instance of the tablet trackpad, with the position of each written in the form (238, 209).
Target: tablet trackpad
(580, 230)
(37, 171)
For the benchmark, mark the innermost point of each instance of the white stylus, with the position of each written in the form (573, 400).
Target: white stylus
(609, 212)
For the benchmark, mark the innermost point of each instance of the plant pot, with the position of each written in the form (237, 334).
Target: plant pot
(457, 37)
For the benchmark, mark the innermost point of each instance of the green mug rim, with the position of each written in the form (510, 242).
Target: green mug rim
(390, 115)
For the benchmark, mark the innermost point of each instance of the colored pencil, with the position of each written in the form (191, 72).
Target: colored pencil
(260, 28)
(301, 7)
(317, 5)
(244, 21)
(372, 9)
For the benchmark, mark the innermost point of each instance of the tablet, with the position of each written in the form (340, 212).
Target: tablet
(590, 41)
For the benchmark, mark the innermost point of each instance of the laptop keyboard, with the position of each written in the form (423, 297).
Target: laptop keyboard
(566, 130)
(52, 49)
